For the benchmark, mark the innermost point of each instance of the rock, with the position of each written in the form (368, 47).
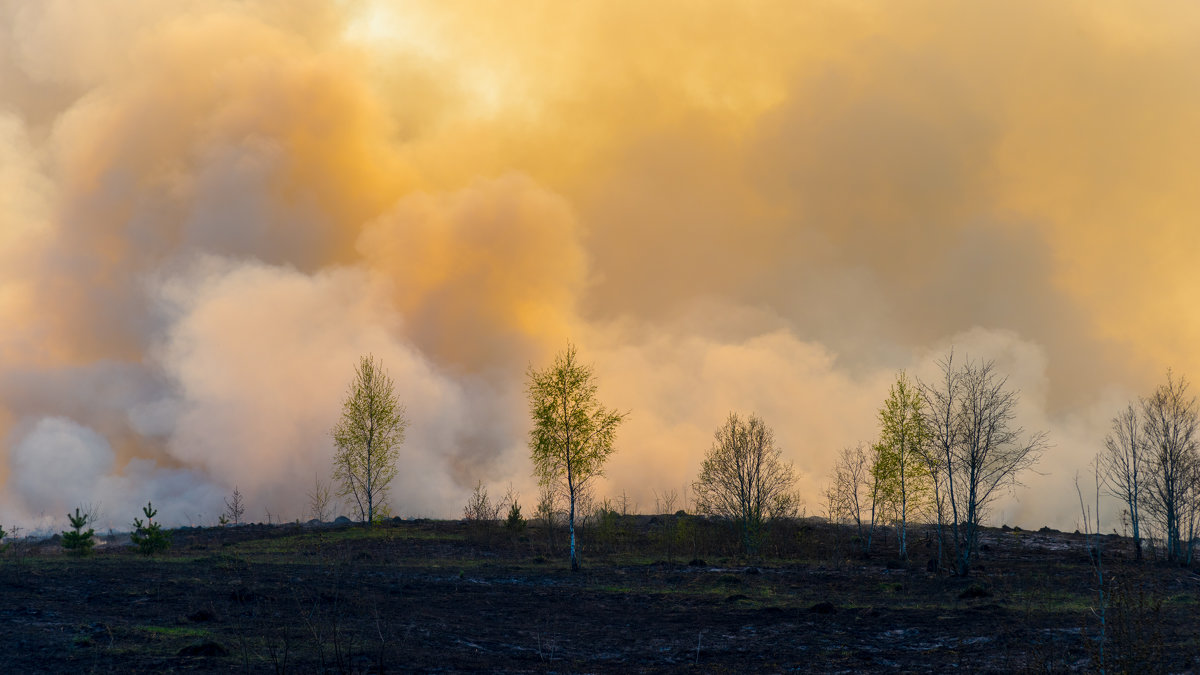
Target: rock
(203, 648)
(342, 520)
(823, 608)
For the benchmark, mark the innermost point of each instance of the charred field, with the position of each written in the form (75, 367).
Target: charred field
(656, 594)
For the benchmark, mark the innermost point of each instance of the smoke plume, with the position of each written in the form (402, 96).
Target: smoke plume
(210, 210)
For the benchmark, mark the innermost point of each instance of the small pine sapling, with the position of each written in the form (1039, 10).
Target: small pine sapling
(149, 537)
(515, 522)
(78, 542)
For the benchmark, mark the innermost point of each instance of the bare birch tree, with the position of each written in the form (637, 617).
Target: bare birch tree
(1123, 465)
(942, 402)
(978, 446)
(367, 438)
(850, 477)
(1169, 426)
(743, 478)
(572, 433)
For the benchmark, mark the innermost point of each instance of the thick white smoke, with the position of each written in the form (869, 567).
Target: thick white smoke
(210, 210)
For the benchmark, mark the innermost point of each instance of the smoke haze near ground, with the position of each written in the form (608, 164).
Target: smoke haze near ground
(209, 210)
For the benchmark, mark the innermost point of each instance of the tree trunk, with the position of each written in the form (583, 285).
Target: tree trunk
(1137, 540)
(571, 527)
(903, 538)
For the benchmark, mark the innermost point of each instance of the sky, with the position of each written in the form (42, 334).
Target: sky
(209, 210)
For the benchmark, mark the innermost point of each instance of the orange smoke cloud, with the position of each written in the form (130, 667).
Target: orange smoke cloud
(208, 210)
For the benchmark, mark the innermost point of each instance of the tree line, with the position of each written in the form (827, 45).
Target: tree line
(1151, 463)
(947, 448)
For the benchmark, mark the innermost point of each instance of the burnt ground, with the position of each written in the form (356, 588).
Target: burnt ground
(434, 596)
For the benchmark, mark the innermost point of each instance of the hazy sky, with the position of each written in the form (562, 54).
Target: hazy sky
(209, 210)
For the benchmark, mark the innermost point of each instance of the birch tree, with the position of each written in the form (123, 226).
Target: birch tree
(979, 448)
(743, 478)
(902, 473)
(367, 439)
(1169, 427)
(1123, 463)
(942, 401)
(850, 478)
(572, 434)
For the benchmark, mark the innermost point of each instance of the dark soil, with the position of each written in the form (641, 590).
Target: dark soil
(439, 597)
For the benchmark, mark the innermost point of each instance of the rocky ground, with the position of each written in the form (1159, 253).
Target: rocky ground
(432, 596)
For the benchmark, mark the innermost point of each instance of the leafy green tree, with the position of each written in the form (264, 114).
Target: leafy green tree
(78, 542)
(572, 434)
(900, 468)
(367, 439)
(744, 478)
(149, 537)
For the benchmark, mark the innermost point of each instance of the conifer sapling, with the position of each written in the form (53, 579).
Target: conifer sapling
(77, 542)
(149, 537)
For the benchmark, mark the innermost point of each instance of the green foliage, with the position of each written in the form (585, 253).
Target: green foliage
(900, 467)
(572, 434)
(367, 440)
(78, 542)
(149, 537)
